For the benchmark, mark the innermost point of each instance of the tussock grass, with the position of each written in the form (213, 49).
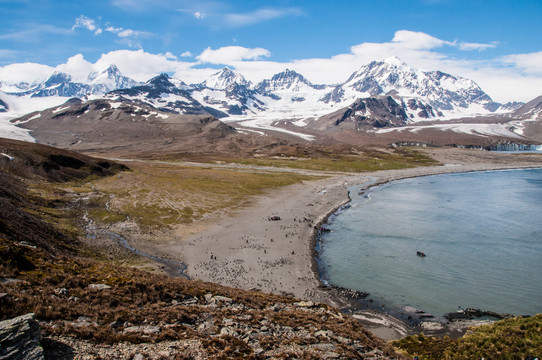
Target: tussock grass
(515, 338)
(159, 195)
(361, 161)
(57, 291)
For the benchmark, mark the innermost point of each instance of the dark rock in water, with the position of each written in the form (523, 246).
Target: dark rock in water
(349, 293)
(20, 339)
(470, 313)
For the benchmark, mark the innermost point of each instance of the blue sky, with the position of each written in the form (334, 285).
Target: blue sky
(496, 43)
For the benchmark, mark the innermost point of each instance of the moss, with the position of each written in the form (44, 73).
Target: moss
(514, 338)
(355, 161)
(106, 216)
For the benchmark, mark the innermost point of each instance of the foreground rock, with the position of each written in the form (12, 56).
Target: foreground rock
(20, 339)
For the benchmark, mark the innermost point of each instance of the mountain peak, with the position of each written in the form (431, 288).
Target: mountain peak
(162, 82)
(227, 70)
(224, 79)
(159, 78)
(109, 79)
(58, 78)
(440, 90)
(111, 72)
(394, 60)
(288, 78)
(287, 73)
(284, 80)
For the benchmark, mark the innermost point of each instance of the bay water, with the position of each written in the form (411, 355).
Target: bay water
(481, 233)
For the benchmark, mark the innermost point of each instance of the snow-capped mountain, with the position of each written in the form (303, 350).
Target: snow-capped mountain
(288, 80)
(229, 92)
(17, 87)
(531, 110)
(165, 94)
(128, 127)
(110, 79)
(510, 106)
(224, 79)
(62, 84)
(372, 112)
(448, 95)
(288, 95)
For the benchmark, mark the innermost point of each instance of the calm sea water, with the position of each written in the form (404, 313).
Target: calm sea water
(481, 232)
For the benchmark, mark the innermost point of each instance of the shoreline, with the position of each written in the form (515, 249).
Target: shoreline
(358, 303)
(248, 250)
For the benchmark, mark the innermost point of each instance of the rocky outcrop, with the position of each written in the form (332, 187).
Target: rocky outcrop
(3, 106)
(372, 112)
(20, 339)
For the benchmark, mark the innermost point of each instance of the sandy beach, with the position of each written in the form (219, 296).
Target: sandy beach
(270, 245)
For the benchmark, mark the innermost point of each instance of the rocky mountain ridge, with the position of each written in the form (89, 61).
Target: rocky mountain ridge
(3, 106)
(368, 113)
(442, 91)
(382, 94)
(130, 126)
(229, 92)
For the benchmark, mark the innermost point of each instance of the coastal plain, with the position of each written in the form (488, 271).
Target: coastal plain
(267, 242)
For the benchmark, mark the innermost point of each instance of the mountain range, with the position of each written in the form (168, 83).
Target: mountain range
(422, 94)
(62, 84)
(388, 99)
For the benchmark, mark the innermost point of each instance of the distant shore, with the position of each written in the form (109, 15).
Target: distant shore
(270, 245)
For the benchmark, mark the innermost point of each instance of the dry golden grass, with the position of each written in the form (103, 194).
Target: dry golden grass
(161, 195)
(341, 160)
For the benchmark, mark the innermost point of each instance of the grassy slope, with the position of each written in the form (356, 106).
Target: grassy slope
(45, 257)
(158, 195)
(514, 338)
(47, 271)
(343, 159)
(57, 291)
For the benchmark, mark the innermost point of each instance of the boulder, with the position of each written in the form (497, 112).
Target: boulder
(99, 287)
(20, 339)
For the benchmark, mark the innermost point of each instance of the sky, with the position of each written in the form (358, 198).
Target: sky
(496, 43)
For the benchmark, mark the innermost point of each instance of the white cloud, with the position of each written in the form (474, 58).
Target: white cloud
(258, 16)
(124, 33)
(529, 63)
(126, 36)
(129, 33)
(231, 54)
(142, 5)
(512, 77)
(476, 46)
(503, 79)
(220, 17)
(27, 72)
(418, 40)
(32, 33)
(77, 67)
(129, 36)
(87, 23)
(140, 65)
(7, 53)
